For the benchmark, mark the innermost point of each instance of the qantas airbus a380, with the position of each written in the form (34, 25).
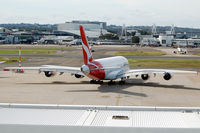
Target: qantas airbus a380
(111, 68)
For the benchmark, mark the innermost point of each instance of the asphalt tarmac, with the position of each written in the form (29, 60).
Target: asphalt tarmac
(31, 87)
(34, 88)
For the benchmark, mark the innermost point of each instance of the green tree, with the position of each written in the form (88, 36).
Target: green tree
(135, 39)
(131, 33)
(143, 32)
(112, 31)
(109, 37)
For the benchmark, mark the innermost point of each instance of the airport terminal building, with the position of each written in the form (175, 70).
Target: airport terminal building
(93, 29)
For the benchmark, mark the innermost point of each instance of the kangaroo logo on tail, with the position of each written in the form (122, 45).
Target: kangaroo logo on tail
(87, 54)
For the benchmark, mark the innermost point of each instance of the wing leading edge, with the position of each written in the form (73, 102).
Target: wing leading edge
(50, 68)
(154, 71)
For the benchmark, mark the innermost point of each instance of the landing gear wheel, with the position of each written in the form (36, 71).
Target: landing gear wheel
(111, 83)
(96, 82)
(122, 82)
(92, 81)
(100, 82)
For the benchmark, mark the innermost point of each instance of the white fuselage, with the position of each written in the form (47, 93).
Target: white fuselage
(114, 66)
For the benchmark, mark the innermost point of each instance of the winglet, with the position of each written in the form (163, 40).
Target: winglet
(87, 54)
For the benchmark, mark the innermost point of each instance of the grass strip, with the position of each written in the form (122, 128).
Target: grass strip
(165, 63)
(138, 53)
(35, 52)
(12, 59)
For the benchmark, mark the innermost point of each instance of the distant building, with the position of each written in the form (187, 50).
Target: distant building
(56, 39)
(165, 40)
(93, 29)
(3, 34)
(22, 37)
(149, 40)
(186, 42)
(4, 30)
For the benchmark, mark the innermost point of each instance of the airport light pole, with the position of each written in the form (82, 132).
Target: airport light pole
(20, 62)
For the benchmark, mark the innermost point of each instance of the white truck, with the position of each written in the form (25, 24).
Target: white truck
(180, 51)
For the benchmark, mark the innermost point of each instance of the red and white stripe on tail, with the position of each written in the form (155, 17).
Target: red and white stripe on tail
(87, 54)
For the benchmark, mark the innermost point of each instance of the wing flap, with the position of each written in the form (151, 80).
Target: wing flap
(72, 70)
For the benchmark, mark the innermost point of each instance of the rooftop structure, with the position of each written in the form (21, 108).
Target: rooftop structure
(93, 29)
(62, 118)
(104, 24)
(4, 30)
(172, 31)
(56, 39)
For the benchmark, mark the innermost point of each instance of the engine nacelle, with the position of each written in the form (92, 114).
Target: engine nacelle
(145, 76)
(167, 76)
(49, 74)
(78, 76)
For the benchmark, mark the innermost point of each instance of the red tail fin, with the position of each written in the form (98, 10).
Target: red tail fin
(87, 54)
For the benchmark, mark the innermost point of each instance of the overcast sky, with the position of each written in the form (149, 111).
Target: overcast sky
(183, 13)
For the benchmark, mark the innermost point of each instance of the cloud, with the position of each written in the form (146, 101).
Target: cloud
(130, 12)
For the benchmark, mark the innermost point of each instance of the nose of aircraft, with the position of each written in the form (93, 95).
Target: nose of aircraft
(85, 69)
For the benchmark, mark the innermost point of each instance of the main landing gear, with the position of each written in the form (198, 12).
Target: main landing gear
(111, 82)
(96, 82)
(122, 82)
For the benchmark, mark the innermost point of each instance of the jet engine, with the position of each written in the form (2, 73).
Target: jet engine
(78, 76)
(167, 76)
(145, 76)
(49, 74)
(85, 69)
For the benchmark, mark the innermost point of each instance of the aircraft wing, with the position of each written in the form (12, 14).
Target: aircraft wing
(50, 68)
(154, 71)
